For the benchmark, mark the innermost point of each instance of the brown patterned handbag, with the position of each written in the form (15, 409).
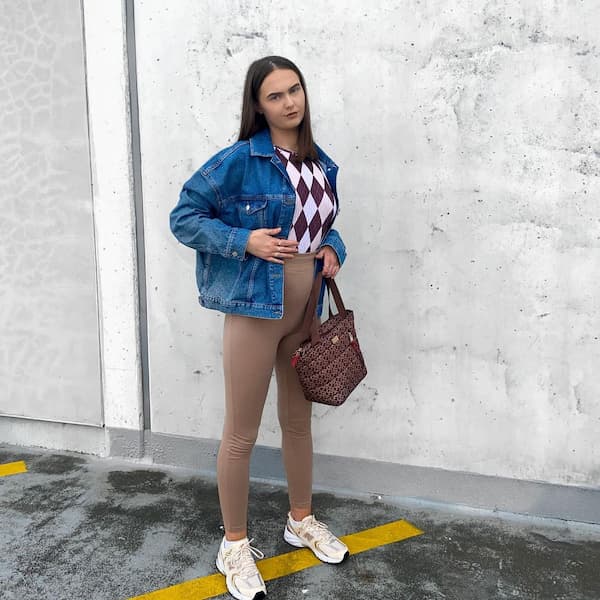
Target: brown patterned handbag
(329, 363)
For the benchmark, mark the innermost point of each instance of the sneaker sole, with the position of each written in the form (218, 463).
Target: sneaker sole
(235, 593)
(294, 540)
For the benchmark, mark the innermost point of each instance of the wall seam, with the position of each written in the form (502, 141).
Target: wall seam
(136, 172)
(94, 222)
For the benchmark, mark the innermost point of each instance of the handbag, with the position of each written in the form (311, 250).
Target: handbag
(329, 363)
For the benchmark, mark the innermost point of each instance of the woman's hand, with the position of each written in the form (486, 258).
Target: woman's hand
(264, 244)
(331, 264)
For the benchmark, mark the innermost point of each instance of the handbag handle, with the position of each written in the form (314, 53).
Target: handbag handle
(333, 288)
(309, 323)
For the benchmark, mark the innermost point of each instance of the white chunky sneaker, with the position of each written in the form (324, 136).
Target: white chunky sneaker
(236, 562)
(314, 535)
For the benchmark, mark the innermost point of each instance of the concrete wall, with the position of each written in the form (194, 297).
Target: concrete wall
(468, 143)
(70, 368)
(49, 348)
(469, 153)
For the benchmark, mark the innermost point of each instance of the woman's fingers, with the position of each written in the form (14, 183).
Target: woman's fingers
(271, 248)
(264, 244)
(284, 249)
(286, 246)
(331, 265)
(331, 270)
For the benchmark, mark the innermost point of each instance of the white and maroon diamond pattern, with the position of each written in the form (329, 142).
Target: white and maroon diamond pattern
(315, 202)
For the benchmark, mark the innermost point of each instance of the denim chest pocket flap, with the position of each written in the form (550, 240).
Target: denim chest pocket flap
(250, 206)
(252, 211)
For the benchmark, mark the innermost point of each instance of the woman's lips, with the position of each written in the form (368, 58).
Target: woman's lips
(292, 115)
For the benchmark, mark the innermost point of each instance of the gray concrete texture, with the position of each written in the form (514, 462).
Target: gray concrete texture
(467, 138)
(76, 527)
(49, 317)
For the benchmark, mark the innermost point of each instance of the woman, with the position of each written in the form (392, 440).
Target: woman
(259, 216)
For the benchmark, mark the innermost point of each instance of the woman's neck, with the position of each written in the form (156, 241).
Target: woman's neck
(285, 139)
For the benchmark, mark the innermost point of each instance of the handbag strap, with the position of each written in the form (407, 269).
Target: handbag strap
(333, 288)
(309, 323)
(311, 306)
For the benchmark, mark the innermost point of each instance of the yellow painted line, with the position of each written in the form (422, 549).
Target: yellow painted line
(13, 468)
(286, 564)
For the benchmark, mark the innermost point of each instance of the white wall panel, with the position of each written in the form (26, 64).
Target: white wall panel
(49, 342)
(469, 151)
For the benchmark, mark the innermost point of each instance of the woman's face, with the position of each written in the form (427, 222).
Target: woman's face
(281, 100)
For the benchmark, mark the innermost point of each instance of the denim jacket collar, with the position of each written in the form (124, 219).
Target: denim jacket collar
(261, 144)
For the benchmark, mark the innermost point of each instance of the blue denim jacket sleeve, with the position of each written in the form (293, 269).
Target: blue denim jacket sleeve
(333, 239)
(195, 221)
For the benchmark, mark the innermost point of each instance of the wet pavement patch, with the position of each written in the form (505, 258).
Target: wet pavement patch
(126, 528)
(58, 465)
(12, 454)
(50, 464)
(50, 497)
(471, 561)
(149, 482)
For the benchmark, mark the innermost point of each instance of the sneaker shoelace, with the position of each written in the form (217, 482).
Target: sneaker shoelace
(318, 529)
(243, 557)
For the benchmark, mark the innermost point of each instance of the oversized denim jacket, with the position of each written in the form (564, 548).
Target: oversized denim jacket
(241, 188)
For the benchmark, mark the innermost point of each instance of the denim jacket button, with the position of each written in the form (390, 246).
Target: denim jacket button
(234, 253)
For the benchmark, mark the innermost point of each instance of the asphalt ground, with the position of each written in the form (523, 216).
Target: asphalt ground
(80, 527)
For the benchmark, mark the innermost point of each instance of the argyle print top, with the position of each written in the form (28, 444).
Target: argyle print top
(315, 201)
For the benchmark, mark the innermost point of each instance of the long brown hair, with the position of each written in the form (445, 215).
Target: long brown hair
(252, 121)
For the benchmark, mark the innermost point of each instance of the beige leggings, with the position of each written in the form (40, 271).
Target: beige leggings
(251, 347)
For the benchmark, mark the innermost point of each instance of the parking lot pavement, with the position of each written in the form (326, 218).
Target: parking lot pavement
(79, 527)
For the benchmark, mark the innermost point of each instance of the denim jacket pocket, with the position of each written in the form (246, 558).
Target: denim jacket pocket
(252, 211)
